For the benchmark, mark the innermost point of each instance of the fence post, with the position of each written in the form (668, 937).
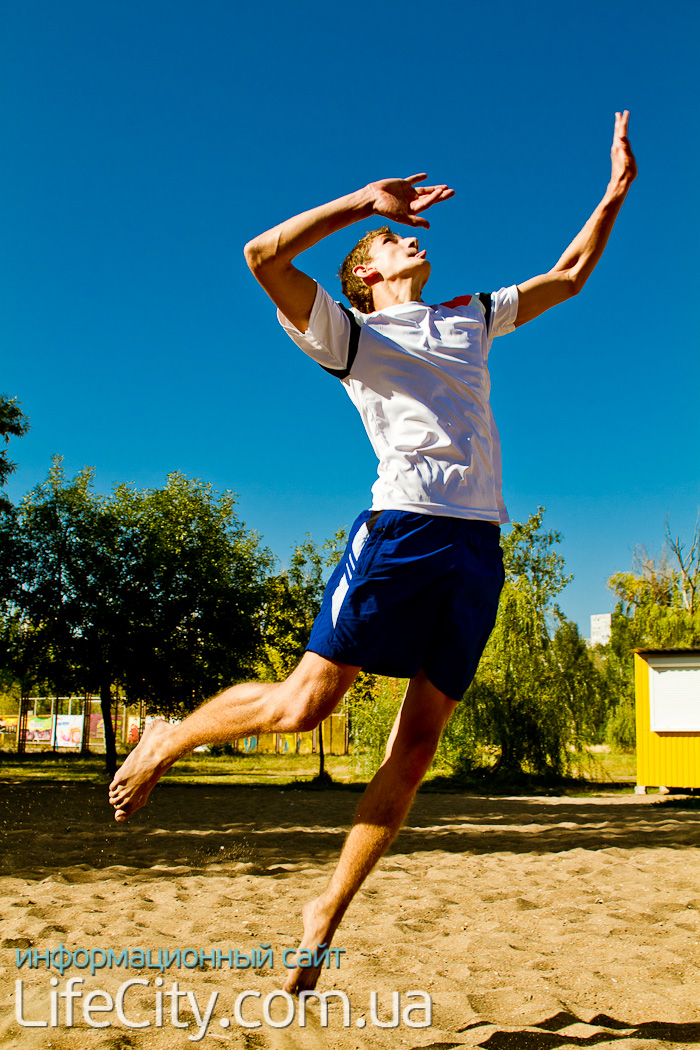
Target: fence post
(22, 724)
(85, 739)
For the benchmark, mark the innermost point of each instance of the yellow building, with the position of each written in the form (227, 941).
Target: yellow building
(667, 691)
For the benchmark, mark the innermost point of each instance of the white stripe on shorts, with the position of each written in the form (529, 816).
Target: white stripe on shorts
(361, 537)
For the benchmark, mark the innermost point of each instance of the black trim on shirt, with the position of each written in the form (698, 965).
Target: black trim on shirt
(354, 342)
(372, 519)
(485, 299)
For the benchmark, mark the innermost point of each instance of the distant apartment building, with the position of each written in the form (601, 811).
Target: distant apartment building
(601, 628)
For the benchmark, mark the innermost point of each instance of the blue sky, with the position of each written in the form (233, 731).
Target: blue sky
(145, 143)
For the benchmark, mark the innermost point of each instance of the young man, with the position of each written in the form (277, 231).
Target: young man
(416, 592)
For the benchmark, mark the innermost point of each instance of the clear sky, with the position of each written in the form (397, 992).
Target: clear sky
(146, 142)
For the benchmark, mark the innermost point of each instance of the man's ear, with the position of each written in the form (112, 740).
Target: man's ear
(368, 274)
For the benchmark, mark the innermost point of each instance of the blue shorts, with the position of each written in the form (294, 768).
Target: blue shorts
(413, 592)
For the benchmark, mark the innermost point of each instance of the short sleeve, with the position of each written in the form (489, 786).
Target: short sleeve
(504, 311)
(327, 339)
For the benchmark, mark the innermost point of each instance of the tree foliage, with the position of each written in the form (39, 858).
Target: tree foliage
(536, 694)
(529, 552)
(292, 602)
(13, 423)
(658, 607)
(196, 580)
(660, 596)
(156, 592)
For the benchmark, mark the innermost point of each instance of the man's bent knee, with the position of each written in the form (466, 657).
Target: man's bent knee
(301, 710)
(297, 718)
(311, 692)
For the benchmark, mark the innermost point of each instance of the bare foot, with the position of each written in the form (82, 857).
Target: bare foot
(144, 767)
(319, 927)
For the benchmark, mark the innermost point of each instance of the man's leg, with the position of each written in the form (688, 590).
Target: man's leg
(381, 812)
(303, 700)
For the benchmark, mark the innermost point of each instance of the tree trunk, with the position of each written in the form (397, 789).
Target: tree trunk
(321, 753)
(322, 779)
(507, 764)
(110, 742)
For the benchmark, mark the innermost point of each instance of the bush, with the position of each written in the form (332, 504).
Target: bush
(217, 750)
(373, 704)
(621, 730)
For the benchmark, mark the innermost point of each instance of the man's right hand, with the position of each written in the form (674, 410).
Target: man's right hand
(401, 200)
(270, 256)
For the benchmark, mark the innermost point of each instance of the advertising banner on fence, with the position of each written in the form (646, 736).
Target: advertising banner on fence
(39, 729)
(8, 727)
(69, 730)
(132, 729)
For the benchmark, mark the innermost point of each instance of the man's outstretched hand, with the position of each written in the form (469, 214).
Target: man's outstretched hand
(402, 201)
(624, 166)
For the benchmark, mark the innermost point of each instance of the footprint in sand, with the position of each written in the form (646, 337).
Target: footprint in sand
(523, 904)
(50, 931)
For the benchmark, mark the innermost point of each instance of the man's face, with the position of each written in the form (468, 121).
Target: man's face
(393, 256)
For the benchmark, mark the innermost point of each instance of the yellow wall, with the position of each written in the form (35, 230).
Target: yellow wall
(663, 759)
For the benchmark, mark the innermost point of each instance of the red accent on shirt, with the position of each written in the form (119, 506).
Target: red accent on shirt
(461, 300)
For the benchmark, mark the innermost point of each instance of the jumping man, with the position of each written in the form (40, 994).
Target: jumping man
(416, 593)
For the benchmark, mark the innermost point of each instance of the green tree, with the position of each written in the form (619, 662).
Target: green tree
(195, 580)
(157, 593)
(658, 607)
(529, 552)
(43, 544)
(536, 695)
(616, 664)
(661, 596)
(13, 423)
(64, 620)
(373, 704)
(292, 603)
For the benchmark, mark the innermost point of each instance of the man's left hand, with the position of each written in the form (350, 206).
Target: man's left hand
(624, 166)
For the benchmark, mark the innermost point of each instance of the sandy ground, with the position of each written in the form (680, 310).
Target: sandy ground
(532, 923)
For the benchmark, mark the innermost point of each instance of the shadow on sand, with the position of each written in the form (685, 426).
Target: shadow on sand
(552, 1033)
(47, 827)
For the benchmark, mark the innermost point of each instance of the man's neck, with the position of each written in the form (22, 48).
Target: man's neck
(395, 293)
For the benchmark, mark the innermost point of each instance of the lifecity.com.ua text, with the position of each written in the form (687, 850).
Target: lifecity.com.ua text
(67, 1003)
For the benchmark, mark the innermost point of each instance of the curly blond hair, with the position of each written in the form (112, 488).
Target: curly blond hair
(359, 294)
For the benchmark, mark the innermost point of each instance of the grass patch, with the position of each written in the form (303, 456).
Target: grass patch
(201, 768)
(603, 765)
(602, 770)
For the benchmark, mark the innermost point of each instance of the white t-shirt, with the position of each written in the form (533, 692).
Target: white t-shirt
(421, 384)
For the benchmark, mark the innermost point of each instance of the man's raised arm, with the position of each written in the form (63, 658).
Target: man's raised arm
(270, 255)
(572, 271)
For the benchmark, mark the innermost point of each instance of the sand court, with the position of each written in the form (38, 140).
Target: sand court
(530, 923)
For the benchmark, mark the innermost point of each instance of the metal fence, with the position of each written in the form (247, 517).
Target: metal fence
(75, 724)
